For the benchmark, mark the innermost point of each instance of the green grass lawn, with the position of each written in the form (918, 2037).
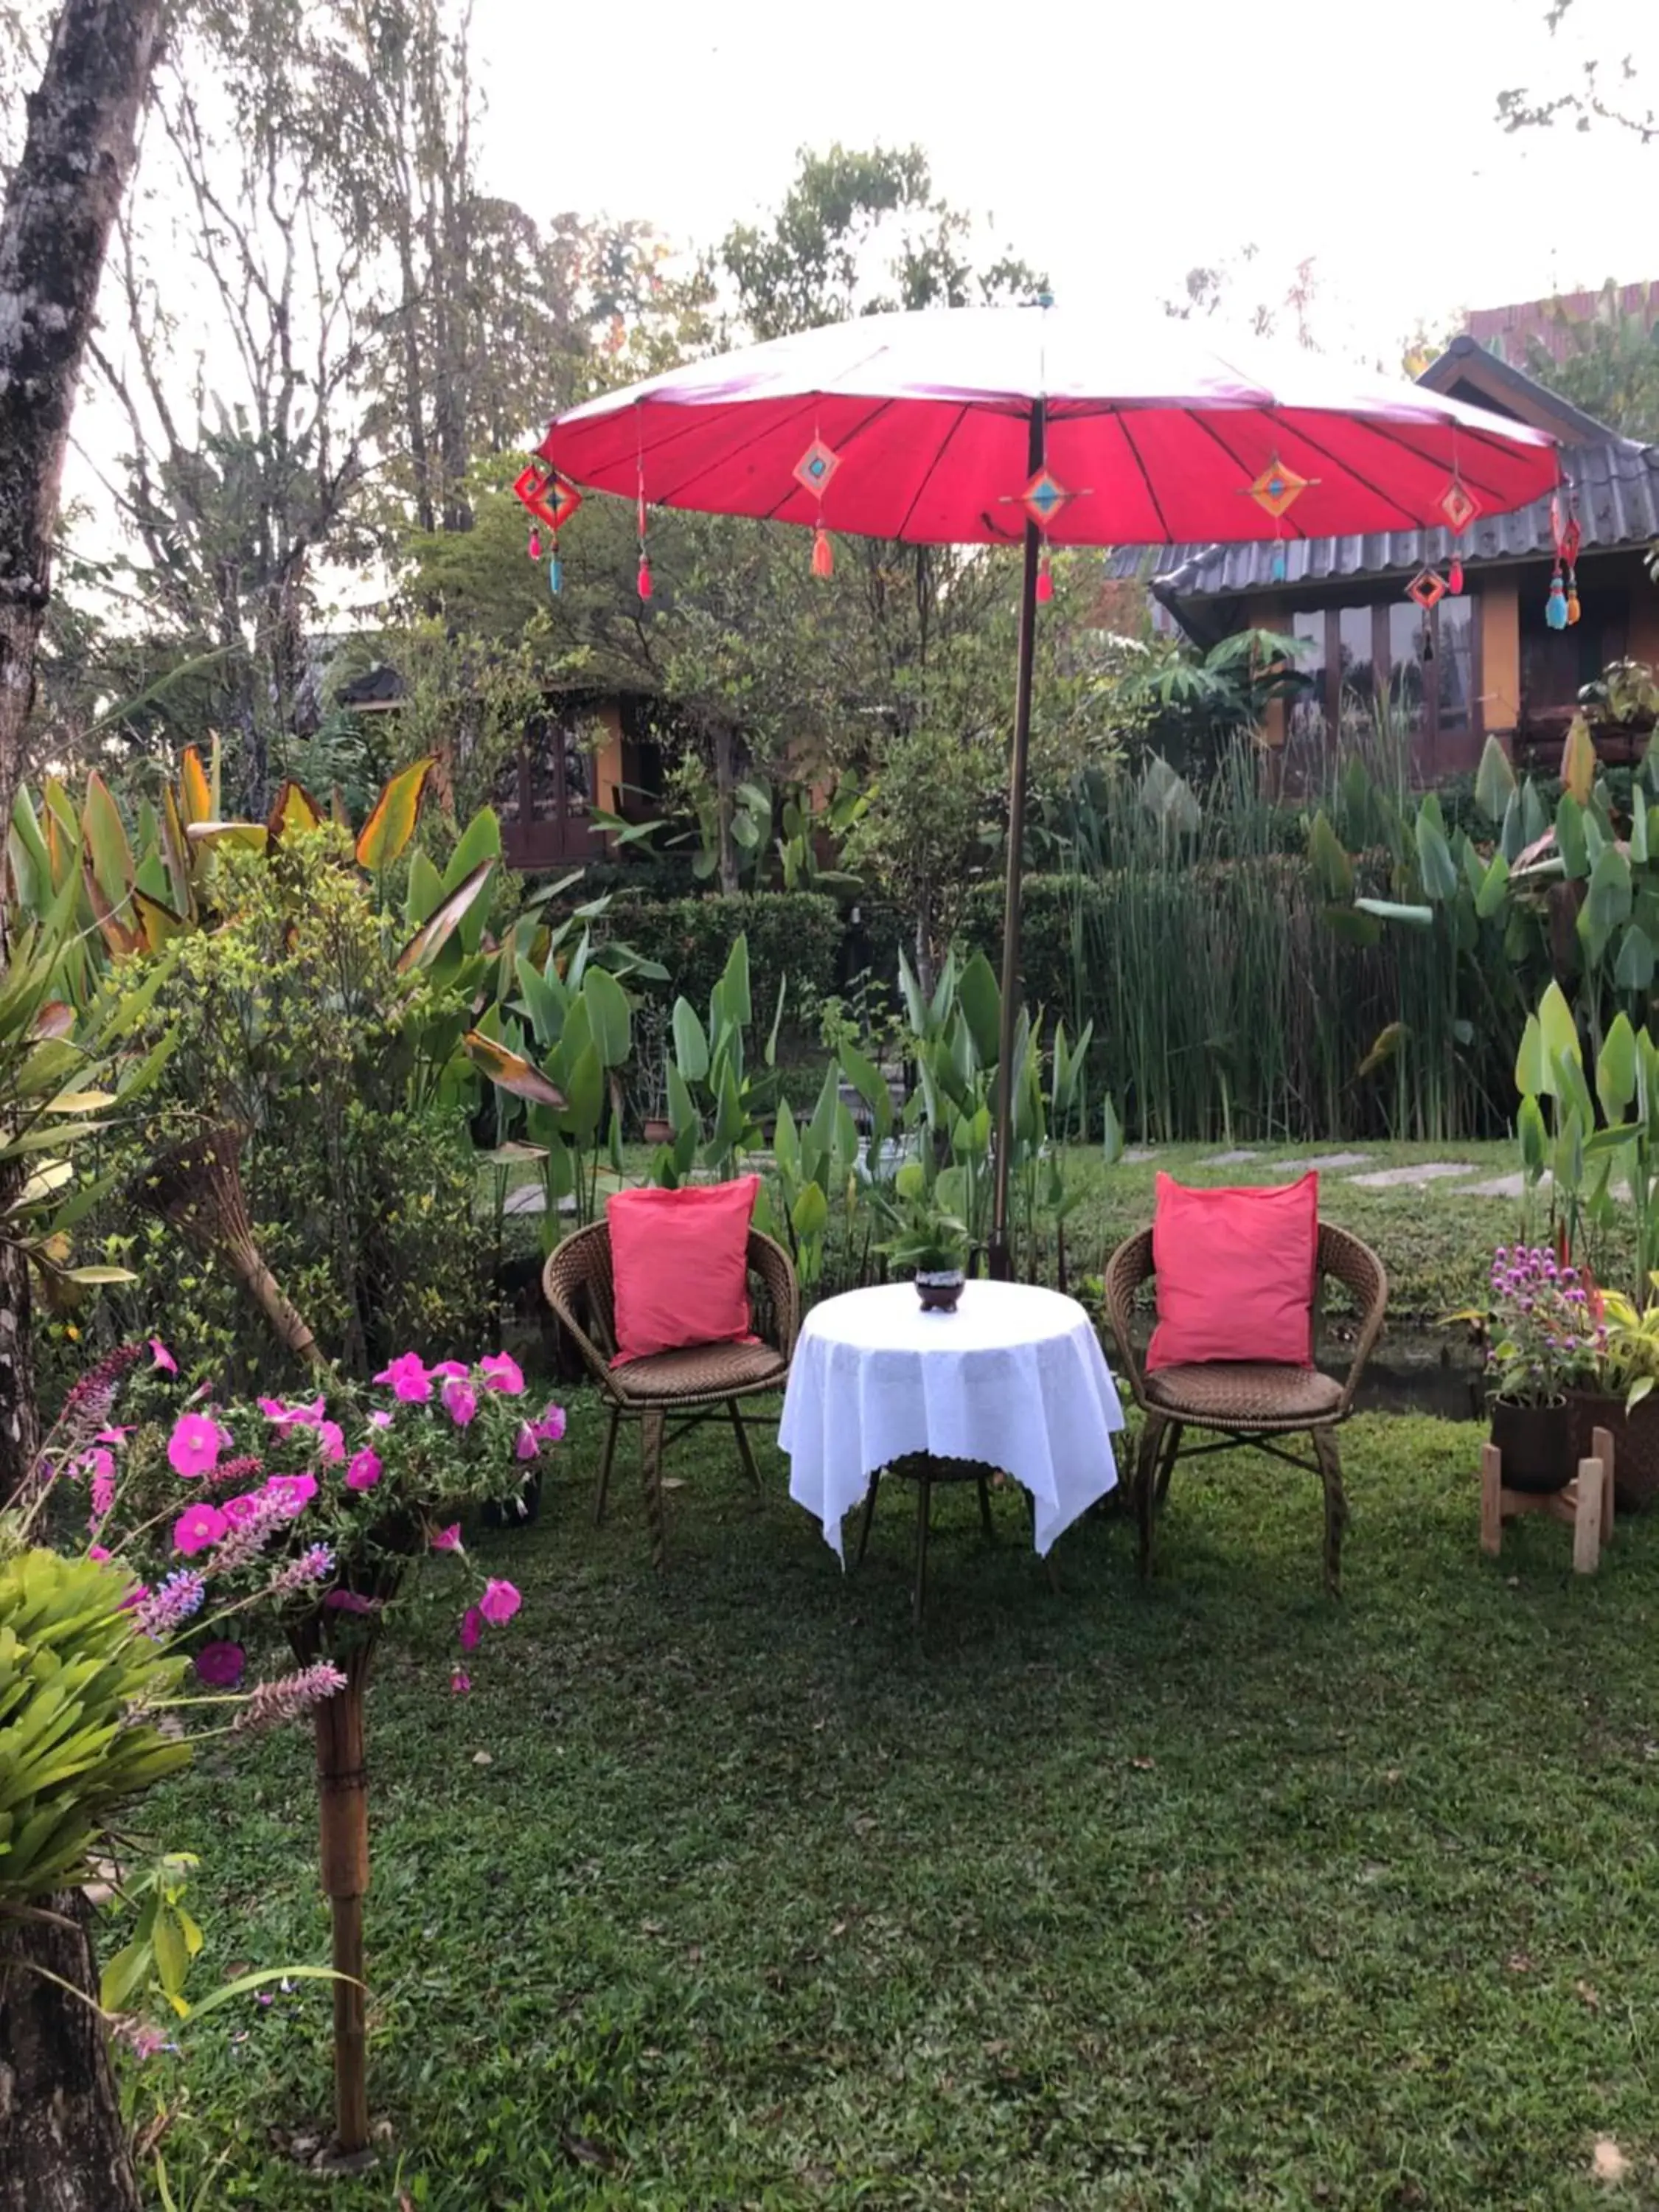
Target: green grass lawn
(733, 1891)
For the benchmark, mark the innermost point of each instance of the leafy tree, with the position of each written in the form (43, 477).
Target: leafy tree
(1611, 368)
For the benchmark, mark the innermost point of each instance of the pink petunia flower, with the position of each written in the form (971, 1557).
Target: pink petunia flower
(116, 1437)
(293, 1417)
(161, 1358)
(460, 1401)
(499, 1603)
(407, 1377)
(330, 1441)
(456, 1369)
(197, 1528)
(97, 1551)
(220, 1664)
(472, 1628)
(459, 1683)
(364, 1471)
(194, 1447)
(103, 1492)
(502, 1372)
(239, 1510)
(550, 1427)
(527, 1444)
(448, 1540)
(380, 1418)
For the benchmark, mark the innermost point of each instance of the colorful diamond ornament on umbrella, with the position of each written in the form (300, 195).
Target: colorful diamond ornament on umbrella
(1459, 506)
(1276, 490)
(551, 500)
(812, 472)
(1042, 500)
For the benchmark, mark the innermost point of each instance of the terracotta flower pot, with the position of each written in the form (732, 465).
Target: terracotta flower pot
(939, 1291)
(1537, 1445)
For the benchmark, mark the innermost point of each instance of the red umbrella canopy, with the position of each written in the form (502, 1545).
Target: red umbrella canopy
(920, 427)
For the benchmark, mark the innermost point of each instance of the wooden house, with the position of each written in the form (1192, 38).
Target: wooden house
(1484, 661)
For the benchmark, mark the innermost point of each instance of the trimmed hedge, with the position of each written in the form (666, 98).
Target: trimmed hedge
(795, 934)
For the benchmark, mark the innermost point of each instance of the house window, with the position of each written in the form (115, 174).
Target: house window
(1454, 660)
(1356, 646)
(1305, 718)
(1555, 664)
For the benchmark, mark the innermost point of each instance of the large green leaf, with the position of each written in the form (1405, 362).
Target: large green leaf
(509, 1071)
(682, 1107)
(1415, 917)
(585, 1093)
(980, 998)
(1615, 1068)
(1560, 1032)
(107, 841)
(736, 982)
(1578, 762)
(1633, 968)
(1332, 867)
(690, 1042)
(392, 822)
(435, 931)
(1494, 781)
(1489, 899)
(1434, 861)
(607, 1018)
(1571, 842)
(867, 1080)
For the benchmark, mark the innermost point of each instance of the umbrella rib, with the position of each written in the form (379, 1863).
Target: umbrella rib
(1480, 484)
(843, 447)
(732, 453)
(963, 413)
(1410, 520)
(1145, 476)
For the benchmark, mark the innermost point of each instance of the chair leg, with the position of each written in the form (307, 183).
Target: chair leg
(924, 1517)
(651, 1440)
(986, 1528)
(1166, 1463)
(1145, 1484)
(869, 1516)
(1329, 1456)
(745, 1449)
(603, 1491)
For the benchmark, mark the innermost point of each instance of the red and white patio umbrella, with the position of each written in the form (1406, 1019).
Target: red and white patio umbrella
(1032, 426)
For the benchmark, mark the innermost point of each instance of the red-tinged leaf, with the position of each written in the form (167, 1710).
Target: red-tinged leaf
(293, 808)
(251, 837)
(195, 793)
(54, 1019)
(157, 921)
(509, 1071)
(440, 926)
(390, 827)
(106, 836)
(174, 849)
(122, 940)
(338, 808)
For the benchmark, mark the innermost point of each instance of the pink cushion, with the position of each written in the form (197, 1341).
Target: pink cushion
(1235, 1272)
(680, 1263)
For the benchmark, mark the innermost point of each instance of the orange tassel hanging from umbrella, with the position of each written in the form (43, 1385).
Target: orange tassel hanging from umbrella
(823, 553)
(812, 472)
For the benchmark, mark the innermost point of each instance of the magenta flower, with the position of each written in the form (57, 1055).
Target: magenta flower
(527, 1444)
(238, 1510)
(380, 1418)
(345, 1600)
(550, 1427)
(501, 1372)
(161, 1358)
(292, 1417)
(460, 1401)
(103, 1494)
(220, 1664)
(116, 1437)
(408, 1379)
(499, 1603)
(97, 1551)
(364, 1471)
(448, 1540)
(197, 1528)
(331, 1442)
(472, 1628)
(459, 1683)
(294, 1491)
(194, 1447)
(457, 1368)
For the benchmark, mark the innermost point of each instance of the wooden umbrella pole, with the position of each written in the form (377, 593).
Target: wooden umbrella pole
(343, 1794)
(1001, 1251)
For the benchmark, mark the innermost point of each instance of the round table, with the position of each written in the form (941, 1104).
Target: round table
(1014, 1379)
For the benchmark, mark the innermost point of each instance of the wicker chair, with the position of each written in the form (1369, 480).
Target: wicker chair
(699, 1383)
(1247, 1402)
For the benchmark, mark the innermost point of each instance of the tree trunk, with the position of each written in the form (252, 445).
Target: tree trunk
(54, 229)
(62, 2147)
(20, 1426)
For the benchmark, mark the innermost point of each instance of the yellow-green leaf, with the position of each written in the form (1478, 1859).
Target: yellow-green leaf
(249, 836)
(105, 837)
(293, 808)
(195, 793)
(391, 824)
(1579, 761)
(437, 929)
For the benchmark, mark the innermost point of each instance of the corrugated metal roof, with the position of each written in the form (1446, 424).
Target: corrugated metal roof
(1617, 485)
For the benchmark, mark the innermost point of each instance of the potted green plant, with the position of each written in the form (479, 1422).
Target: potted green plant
(1621, 1399)
(1542, 1342)
(930, 1245)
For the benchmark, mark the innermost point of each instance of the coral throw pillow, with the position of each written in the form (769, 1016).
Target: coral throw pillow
(680, 1263)
(1235, 1272)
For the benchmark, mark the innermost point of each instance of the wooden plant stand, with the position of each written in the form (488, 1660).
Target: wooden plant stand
(1586, 1504)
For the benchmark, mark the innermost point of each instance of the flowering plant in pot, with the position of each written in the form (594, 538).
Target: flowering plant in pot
(1621, 1399)
(1546, 1339)
(306, 1518)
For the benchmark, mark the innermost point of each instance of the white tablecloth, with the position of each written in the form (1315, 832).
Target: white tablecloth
(1014, 1378)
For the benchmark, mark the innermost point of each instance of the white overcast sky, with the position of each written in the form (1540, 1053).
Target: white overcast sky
(1118, 143)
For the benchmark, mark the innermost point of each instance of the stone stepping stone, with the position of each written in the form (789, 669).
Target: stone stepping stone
(1504, 1185)
(1229, 1159)
(1326, 1163)
(1137, 1156)
(1420, 1172)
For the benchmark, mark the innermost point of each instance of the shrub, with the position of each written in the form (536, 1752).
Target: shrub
(792, 934)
